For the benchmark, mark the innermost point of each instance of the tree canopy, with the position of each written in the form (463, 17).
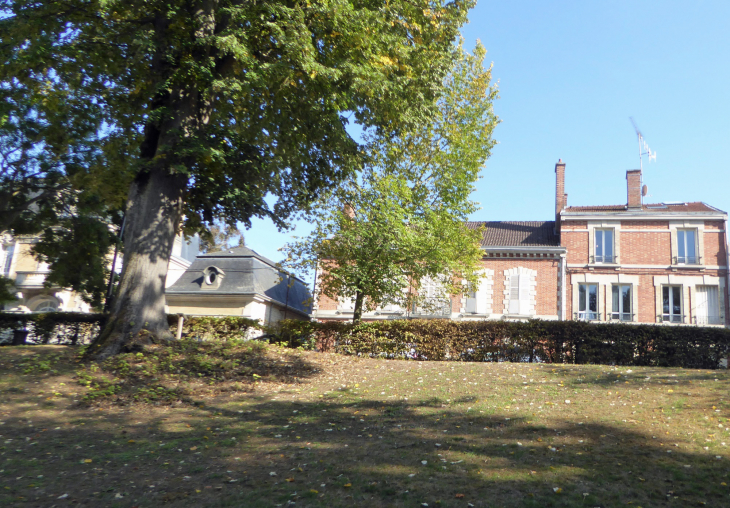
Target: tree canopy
(401, 222)
(207, 107)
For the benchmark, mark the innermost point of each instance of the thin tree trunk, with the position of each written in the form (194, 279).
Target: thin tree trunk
(357, 314)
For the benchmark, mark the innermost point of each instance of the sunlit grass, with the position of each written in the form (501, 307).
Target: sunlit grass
(346, 431)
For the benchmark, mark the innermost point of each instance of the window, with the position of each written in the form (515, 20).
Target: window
(49, 304)
(519, 294)
(621, 302)
(686, 247)
(477, 301)
(346, 303)
(707, 309)
(588, 302)
(604, 246)
(8, 261)
(672, 304)
(431, 299)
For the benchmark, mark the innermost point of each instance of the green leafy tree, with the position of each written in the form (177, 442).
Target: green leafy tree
(221, 236)
(222, 103)
(55, 181)
(7, 291)
(402, 221)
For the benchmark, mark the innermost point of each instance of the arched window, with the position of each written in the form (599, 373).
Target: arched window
(46, 304)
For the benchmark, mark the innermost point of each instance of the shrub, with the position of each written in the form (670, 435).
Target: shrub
(51, 327)
(76, 328)
(531, 341)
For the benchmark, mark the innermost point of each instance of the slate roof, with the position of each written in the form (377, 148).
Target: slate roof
(246, 273)
(694, 207)
(517, 233)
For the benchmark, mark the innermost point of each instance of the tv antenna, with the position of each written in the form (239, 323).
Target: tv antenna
(643, 147)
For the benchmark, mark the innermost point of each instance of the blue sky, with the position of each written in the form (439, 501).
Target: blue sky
(570, 75)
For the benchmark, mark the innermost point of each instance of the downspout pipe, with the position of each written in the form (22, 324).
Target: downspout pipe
(563, 286)
(727, 276)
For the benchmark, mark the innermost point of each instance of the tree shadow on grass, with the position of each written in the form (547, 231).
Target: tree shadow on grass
(365, 453)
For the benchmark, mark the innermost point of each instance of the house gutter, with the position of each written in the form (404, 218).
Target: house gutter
(491, 248)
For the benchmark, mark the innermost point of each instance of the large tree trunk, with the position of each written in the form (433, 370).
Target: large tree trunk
(138, 310)
(155, 203)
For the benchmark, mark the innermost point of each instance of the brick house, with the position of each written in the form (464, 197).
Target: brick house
(642, 263)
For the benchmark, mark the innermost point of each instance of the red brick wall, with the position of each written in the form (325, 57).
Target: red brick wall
(645, 304)
(714, 224)
(547, 282)
(577, 244)
(573, 224)
(715, 249)
(645, 248)
(644, 224)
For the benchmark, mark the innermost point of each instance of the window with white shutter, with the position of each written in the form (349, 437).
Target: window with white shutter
(707, 311)
(477, 302)
(514, 293)
(524, 295)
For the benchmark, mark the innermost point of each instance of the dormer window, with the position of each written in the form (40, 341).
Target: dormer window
(212, 277)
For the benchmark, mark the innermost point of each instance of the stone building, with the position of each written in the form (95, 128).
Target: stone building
(238, 282)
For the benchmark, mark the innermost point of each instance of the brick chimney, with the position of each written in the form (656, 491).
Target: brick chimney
(633, 189)
(561, 197)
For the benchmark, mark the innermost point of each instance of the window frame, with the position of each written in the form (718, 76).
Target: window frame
(670, 316)
(685, 259)
(621, 314)
(8, 251)
(587, 314)
(714, 314)
(604, 259)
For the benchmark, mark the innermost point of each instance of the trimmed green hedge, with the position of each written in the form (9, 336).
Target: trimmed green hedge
(438, 339)
(76, 328)
(51, 327)
(533, 341)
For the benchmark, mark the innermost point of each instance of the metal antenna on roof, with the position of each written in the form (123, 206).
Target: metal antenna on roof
(643, 147)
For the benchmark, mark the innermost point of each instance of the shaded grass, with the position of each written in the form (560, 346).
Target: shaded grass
(491, 434)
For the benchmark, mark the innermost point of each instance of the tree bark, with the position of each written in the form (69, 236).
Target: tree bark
(155, 204)
(138, 310)
(357, 314)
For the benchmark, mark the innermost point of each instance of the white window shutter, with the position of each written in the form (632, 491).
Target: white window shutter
(713, 304)
(481, 296)
(471, 303)
(524, 294)
(514, 294)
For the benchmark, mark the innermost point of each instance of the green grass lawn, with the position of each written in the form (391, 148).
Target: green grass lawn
(262, 426)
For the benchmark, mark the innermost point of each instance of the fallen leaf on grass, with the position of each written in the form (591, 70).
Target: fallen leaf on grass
(290, 480)
(557, 490)
(192, 449)
(459, 496)
(347, 485)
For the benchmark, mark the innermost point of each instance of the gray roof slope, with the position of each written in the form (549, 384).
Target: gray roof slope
(246, 272)
(517, 233)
